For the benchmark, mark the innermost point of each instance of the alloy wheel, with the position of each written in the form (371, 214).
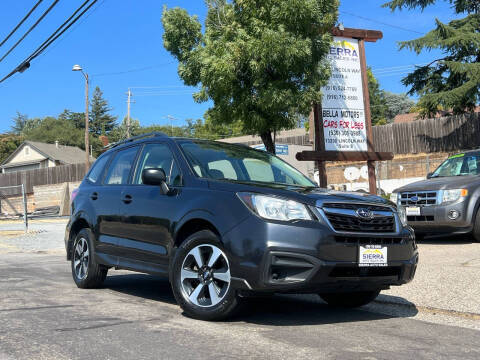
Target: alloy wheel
(81, 257)
(205, 275)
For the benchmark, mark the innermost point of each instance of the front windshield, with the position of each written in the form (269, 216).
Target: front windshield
(220, 161)
(459, 165)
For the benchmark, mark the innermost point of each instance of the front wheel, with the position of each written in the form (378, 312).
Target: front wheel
(350, 299)
(200, 277)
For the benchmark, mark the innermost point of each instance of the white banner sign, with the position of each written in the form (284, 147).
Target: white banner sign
(343, 109)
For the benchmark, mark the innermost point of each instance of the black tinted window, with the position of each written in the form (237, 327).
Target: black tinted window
(97, 168)
(119, 169)
(222, 161)
(158, 156)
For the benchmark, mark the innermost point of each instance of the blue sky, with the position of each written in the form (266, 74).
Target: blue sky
(119, 44)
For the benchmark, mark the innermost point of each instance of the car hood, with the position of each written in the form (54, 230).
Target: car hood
(441, 183)
(305, 195)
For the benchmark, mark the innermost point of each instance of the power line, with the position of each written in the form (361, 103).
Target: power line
(133, 70)
(29, 30)
(62, 26)
(381, 22)
(26, 63)
(20, 23)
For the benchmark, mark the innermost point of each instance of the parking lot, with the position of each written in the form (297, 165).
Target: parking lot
(45, 316)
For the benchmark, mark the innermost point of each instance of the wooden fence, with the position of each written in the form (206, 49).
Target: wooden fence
(46, 176)
(452, 133)
(446, 134)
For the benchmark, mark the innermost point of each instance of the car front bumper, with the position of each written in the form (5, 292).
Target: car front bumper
(309, 256)
(434, 219)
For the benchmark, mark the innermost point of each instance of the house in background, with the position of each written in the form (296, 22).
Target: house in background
(32, 155)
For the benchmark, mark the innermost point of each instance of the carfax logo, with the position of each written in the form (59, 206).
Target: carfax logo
(343, 48)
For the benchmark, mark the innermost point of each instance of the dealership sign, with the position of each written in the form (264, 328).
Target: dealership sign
(343, 110)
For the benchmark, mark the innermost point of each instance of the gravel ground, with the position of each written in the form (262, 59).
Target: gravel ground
(445, 288)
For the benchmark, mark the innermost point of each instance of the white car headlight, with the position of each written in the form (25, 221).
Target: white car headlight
(394, 197)
(402, 215)
(453, 195)
(273, 208)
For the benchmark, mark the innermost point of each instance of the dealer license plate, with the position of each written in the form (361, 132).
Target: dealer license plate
(373, 255)
(412, 211)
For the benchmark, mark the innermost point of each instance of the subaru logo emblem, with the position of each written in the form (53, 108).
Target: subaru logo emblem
(364, 213)
(414, 198)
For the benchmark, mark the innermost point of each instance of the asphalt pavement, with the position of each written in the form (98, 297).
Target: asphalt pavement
(134, 316)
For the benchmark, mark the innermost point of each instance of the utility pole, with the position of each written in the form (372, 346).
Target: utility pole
(87, 145)
(129, 100)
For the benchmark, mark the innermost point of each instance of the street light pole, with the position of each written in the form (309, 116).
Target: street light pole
(87, 145)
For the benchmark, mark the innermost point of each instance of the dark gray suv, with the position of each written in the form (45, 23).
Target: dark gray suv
(447, 202)
(224, 222)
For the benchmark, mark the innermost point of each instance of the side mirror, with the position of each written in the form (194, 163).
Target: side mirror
(155, 176)
(429, 175)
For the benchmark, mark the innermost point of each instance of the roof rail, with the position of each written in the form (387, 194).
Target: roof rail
(135, 138)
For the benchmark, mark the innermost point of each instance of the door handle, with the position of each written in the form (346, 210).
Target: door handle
(127, 199)
(94, 196)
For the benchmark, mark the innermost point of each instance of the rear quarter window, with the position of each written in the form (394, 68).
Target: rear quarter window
(97, 168)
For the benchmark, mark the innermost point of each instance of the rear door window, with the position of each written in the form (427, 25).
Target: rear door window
(120, 167)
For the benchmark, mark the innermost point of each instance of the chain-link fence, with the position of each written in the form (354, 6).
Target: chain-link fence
(15, 206)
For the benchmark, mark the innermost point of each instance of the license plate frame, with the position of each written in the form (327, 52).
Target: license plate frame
(372, 256)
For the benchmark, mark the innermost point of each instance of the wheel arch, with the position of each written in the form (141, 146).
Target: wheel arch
(77, 225)
(193, 225)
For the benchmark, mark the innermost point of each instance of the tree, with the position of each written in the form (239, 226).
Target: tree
(262, 63)
(101, 122)
(378, 106)
(50, 129)
(19, 123)
(8, 143)
(452, 81)
(77, 118)
(397, 104)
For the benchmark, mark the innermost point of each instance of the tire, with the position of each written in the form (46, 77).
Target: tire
(350, 299)
(86, 273)
(476, 228)
(202, 286)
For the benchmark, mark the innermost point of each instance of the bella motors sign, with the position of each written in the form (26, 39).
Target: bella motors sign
(343, 110)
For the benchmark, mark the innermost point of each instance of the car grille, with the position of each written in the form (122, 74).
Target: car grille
(343, 218)
(424, 198)
(352, 240)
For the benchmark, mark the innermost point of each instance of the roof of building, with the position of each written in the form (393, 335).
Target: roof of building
(62, 153)
(279, 135)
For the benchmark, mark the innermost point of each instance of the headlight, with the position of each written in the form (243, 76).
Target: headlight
(273, 208)
(394, 197)
(453, 195)
(402, 215)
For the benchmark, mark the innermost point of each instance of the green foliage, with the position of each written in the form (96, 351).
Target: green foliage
(452, 81)
(8, 143)
(378, 106)
(77, 118)
(261, 63)
(19, 123)
(100, 121)
(50, 129)
(397, 104)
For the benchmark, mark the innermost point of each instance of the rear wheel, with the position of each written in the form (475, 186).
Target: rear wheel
(350, 299)
(85, 271)
(201, 281)
(476, 227)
